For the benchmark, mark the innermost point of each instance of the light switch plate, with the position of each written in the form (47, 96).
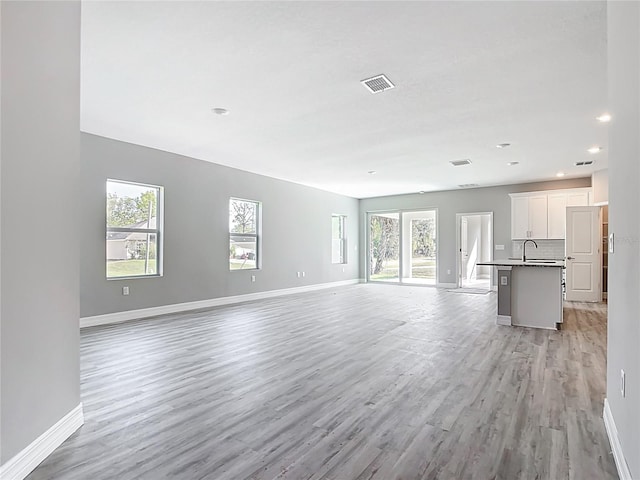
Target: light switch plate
(611, 243)
(499, 247)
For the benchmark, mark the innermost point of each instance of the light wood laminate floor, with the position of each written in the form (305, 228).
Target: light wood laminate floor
(373, 382)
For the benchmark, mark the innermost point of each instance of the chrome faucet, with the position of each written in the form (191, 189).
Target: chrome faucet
(524, 248)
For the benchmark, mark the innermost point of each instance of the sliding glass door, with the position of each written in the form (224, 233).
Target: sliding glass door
(403, 247)
(384, 247)
(419, 247)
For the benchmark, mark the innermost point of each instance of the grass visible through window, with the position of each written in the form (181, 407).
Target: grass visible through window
(130, 268)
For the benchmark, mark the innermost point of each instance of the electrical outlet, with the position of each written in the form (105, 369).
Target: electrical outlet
(298, 273)
(499, 247)
(125, 290)
(342, 269)
(448, 271)
(253, 278)
(303, 274)
(622, 383)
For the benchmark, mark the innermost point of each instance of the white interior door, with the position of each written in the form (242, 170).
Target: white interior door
(583, 254)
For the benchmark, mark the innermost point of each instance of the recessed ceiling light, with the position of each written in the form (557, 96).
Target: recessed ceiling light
(503, 145)
(372, 172)
(511, 164)
(604, 118)
(220, 111)
(594, 149)
(560, 174)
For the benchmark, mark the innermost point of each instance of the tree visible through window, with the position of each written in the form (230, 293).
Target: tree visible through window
(244, 216)
(133, 229)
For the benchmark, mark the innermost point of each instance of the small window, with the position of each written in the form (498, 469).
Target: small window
(133, 229)
(338, 239)
(244, 234)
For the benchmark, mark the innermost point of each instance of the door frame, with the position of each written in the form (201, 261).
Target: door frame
(459, 217)
(367, 249)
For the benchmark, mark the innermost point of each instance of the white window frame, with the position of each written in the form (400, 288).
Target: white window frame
(257, 235)
(343, 238)
(157, 231)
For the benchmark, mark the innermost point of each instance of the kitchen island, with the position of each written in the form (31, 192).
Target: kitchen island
(529, 292)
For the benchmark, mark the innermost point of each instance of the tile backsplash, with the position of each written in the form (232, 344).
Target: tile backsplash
(547, 249)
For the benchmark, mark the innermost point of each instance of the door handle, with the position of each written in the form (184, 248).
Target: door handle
(570, 258)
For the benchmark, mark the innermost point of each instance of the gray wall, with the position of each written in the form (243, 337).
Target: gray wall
(296, 229)
(623, 352)
(600, 180)
(490, 199)
(40, 170)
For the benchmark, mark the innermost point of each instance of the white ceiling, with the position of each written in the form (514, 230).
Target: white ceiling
(468, 75)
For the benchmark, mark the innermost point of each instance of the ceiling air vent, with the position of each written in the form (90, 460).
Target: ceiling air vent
(377, 84)
(582, 164)
(468, 185)
(459, 163)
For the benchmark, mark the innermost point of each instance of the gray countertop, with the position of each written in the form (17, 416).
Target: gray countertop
(528, 263)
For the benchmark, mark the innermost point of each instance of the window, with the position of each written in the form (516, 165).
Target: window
(244, 230)
(338, 239)
(134, 221)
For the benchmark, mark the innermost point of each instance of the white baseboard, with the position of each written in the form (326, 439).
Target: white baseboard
(125, 316)
(447, 285)
(616, 447)
(28, 459)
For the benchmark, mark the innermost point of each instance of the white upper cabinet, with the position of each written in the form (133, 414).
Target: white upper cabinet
(541, 215)
(577, 198)
(529, 216)
(519, 217)
(538, 216)
(557, 204)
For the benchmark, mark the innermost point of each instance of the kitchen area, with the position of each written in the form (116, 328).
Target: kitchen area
(557, 255)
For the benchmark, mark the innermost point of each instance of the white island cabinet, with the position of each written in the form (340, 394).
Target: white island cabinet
(529, 293)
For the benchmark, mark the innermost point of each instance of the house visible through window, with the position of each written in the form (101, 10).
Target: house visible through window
(338, 239)
(244, 230)
(133, 229)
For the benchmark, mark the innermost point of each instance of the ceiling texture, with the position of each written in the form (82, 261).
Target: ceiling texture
(467, 76)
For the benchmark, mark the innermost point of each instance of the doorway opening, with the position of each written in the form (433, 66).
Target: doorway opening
(475, 245)
(402, 247)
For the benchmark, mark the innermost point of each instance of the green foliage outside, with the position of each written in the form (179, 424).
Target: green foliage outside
(385, 248)
(242, 216)
(384, 241)
(127, 211)
(421, 268)
(423, 240)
